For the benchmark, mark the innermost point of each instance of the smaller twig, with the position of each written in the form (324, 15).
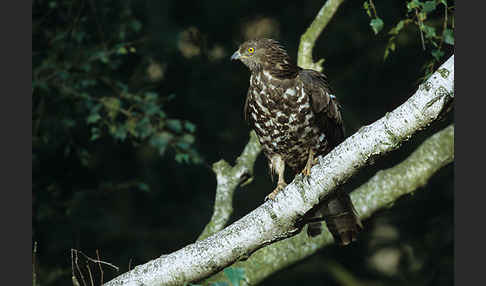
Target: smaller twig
(77, 266)
(90, 276)
(374, 8)
(97, 261)
(308, 39)
(34, 274)
(420, 29)
(444, 27)
(73, 275)
(75, 281)
(129, 264)
(228, 179)
(99, 264)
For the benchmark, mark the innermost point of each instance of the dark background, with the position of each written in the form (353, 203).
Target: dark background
(120, 196)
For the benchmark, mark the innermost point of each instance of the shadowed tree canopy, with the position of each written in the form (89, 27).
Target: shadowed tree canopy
(133, 102)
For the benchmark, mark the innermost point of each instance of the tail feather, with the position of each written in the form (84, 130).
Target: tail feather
(341, 220)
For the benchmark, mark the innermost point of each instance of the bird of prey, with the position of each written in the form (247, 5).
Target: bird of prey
(296, 119)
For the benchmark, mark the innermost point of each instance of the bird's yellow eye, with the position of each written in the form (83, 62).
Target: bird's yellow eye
(251, 50)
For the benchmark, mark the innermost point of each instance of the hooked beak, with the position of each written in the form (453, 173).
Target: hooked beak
(235, 56)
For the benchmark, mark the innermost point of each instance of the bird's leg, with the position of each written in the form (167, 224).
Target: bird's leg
(310, 162)
(277, 165)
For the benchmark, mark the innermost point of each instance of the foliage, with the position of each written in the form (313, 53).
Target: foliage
(376, 22)
(234, 274)
(94, 89)
(428, 18)
(88, 73)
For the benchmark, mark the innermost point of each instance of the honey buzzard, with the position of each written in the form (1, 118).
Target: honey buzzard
(296, 118)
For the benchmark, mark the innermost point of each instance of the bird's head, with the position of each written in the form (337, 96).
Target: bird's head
(264, 54)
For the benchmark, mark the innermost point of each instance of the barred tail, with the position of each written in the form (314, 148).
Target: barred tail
(341, 220)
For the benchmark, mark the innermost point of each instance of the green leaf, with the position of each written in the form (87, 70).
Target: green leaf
(182, 157)
(390, 47)
(366, 6)
(84, 156)
(63, 75)
(88, 82)
(395, 30)
(145, 188)
(449, 36)
(79, 36)
(188, 138)
(144, 128)
(95, 133)
(422, 16)
(183, 145)
(171, 96)
(86, 67)
(151, 96)
(68, 122)
(121, 85)
(189, 126)
(413, 4)
(151, 109)
(131, 125)
(136, 25)
(40, 84)
(120, 132)
(161, 140)
(235, 275)
(93, 118)
(174, 125)
(221, 283)
(429, 6)
(112, 106)
(122, 51)
(104, 59)
(437, 54)
(429, 31)
(376, 24)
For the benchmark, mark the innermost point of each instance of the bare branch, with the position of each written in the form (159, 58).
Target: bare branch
(99, 265)
(308, 39)
(279, 219)
(95, 260)
(379, 192)
(34, 273)
(229, 178)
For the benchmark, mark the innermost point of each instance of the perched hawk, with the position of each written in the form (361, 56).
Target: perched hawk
(296, 118)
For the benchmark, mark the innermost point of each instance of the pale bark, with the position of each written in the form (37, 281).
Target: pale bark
(308, 39)
(379, 192)
(279, 219)
(228, 179)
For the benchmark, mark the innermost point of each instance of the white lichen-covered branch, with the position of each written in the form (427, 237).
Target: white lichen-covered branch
(308, 39)
(278, 219)
(228, 178)
(379, 192)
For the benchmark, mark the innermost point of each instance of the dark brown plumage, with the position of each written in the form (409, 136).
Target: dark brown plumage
(296, 118)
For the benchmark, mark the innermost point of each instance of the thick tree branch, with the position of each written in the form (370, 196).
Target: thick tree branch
(308, 39)
(380, 191)
(228, 179)
(278, 219)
